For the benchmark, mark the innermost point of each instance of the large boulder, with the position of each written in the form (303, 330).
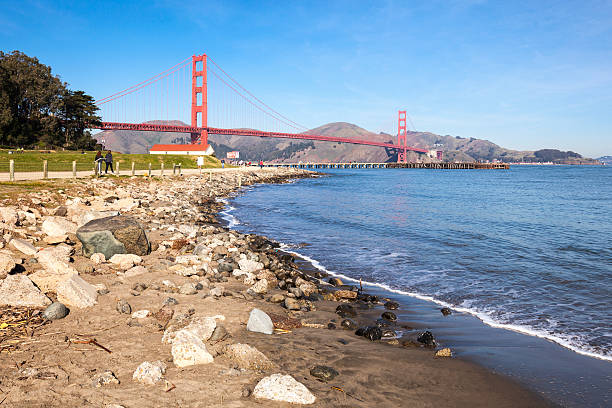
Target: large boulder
(18, 290)
(113, 235)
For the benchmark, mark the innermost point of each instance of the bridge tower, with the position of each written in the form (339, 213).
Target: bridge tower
(401, 137)
(199, 99)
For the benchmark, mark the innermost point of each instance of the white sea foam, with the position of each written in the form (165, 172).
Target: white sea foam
(565, 341)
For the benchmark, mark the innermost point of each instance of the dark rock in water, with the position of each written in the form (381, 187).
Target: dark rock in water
(56, 311)
(348, 324)
(371, 333)
(390, 316)
(335, 281)
(345, 310)
(388, 333)
(60, 211)
(392, 305)
(124, 307)
(113, 235)
(323, 373)
(343, 341)
(427, 338)
(331, 325)
(446, 311)
(410, 343)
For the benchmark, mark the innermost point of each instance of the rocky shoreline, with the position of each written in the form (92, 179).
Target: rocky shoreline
(127, 292)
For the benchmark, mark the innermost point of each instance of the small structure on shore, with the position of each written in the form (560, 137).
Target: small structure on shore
(190, 149)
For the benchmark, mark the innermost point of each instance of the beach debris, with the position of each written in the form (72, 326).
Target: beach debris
(18, 324)
(149, 373)
(260, 322)
(18, 290)
(284, 322)
(390, 316)
(446, 311)
(247, 357)
(346, 393)
(323, 373)
(392, 305)
(427, 338)
(55, 311)
(445, 352)
(105, 378)
(278, 387)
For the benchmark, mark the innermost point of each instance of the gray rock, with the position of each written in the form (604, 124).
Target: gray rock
(277, 298)
(291, 304)
(105, 378)
(260, 322)
(113, 235)
(171, 301)
(56, 311)
(247, 357)
(124, 307)
(323, 373)
(188, 289)
(219, 334)
(297, 292)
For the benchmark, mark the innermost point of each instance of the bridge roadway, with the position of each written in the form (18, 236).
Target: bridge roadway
(444, 166)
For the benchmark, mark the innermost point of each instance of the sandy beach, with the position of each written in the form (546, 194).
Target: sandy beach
(200, 274)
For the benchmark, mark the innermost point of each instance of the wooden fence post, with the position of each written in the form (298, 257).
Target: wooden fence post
(210, 176)
(45, 169)
(174, 169)
(133, 169)
(162, 169)
(12, 170)
(149, 169)
(118, 169)
(74, 168)
(180, 167)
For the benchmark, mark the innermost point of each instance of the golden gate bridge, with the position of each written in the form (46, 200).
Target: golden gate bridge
(220, 105)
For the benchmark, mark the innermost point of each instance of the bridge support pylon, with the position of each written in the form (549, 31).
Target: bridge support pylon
(199, 99)
(401, 137)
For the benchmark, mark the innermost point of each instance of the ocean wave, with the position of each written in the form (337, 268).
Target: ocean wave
(566, 341)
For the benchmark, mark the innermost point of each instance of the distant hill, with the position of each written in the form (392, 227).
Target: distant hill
(455, 148)
(607, 160)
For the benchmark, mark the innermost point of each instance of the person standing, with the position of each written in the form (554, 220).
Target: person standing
(98, 162)
(109, 162)
(222, 163)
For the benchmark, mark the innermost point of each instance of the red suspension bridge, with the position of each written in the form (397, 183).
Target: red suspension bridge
(219, 106)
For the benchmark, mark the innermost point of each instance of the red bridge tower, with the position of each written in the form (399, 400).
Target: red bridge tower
(199, 99)
(401, 137)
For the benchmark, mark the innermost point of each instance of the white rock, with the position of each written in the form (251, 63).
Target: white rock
(135, 271)
(278, 387)
(140, 314)
(56, 226)
(9, 215)
(75, 292)
(98, 258)
(260, 322)
(188, 350)
(150, 373)
(23, 246)
(18, 290)
(6, 264)
(125, 261)
(168, 283)
(188, 259)
(48, 280)
(58, 239)
(260, 287)
(248, 265)
(201, 327)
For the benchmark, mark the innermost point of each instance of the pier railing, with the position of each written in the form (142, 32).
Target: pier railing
(350, 165)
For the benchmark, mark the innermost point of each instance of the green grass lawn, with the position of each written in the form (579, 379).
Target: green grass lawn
(32, 160)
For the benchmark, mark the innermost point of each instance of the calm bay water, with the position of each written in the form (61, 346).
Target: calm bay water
(528, 249)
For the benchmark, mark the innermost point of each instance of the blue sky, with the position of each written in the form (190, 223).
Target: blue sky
(523, 74)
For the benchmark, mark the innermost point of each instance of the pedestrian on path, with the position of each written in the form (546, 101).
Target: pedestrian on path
(109, 162)
(222, 163)
(98, 162)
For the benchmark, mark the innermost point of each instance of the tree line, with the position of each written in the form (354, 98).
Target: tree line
(37, 109)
